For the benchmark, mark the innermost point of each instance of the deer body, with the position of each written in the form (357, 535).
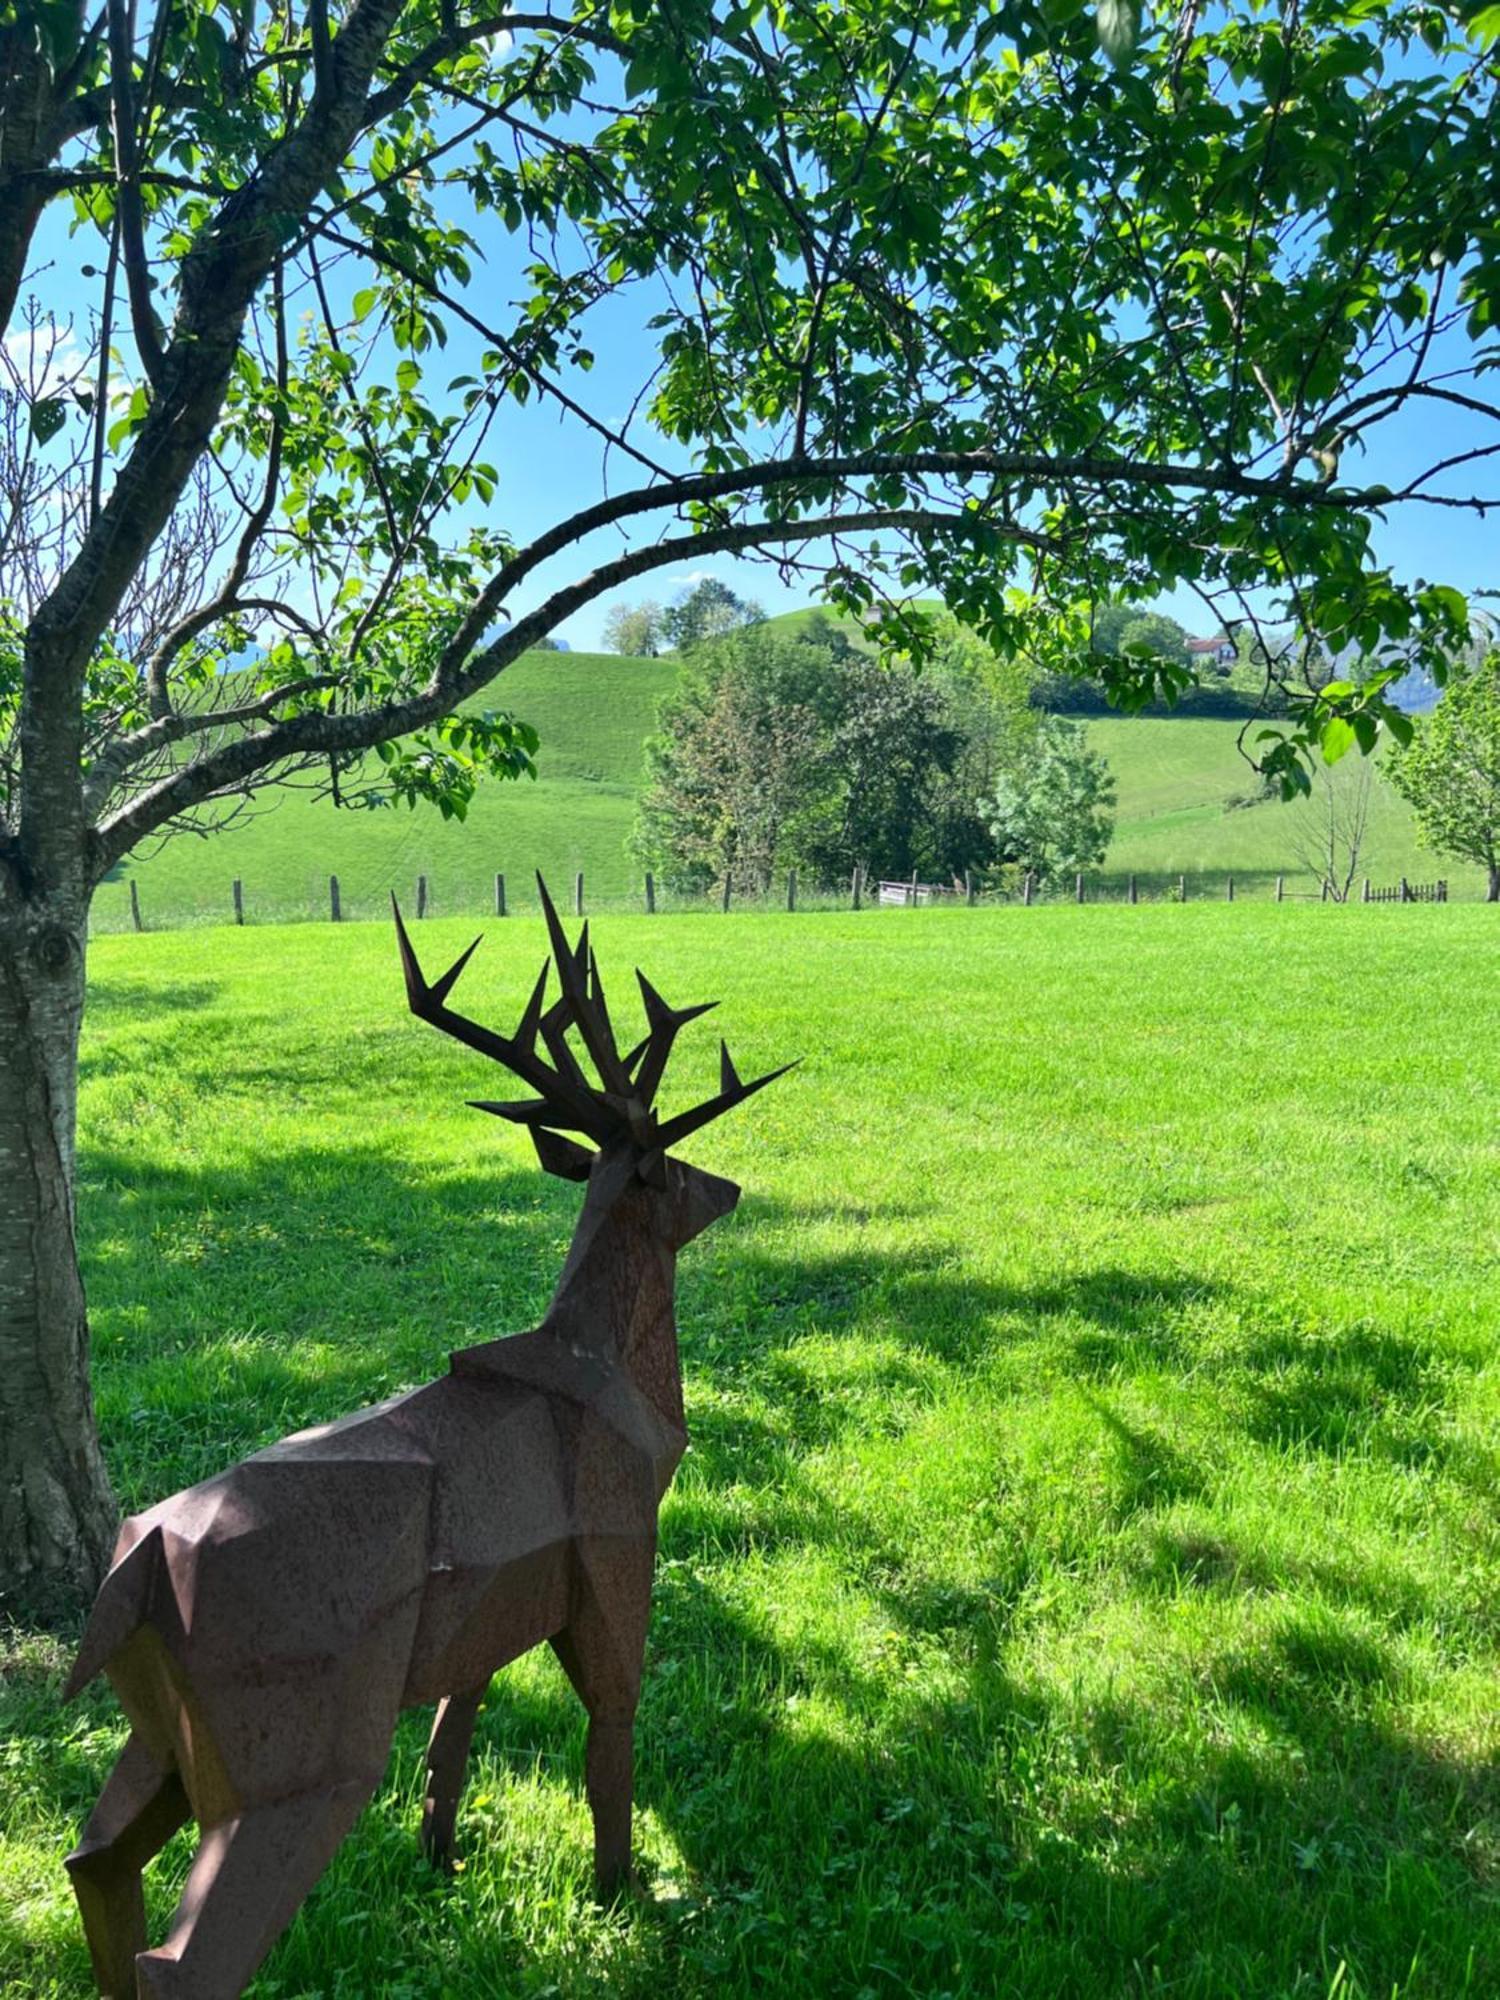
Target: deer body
(264, 1629)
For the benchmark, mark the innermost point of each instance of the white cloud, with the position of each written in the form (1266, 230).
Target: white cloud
(44, 359)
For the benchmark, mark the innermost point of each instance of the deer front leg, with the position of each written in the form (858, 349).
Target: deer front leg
(602, 1650)
(141, 1807)
(447, 1753)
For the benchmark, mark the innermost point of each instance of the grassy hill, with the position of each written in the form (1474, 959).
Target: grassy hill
(594, 710)
(1174, 778)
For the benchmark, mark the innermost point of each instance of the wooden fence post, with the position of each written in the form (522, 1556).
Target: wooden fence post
(1442, 889)
(421, 895)
(1182, 888)
(854, 887)
(334, 913)
(1365, 892)
(135, 905)
(1280, 887)
(791, 888)
(1229, 890)
(912, 899)
(1405, 892)
(1078, 888)
(239, 901)
(1026, 890)
(1131, 892)
(728, 885)
(650, 894)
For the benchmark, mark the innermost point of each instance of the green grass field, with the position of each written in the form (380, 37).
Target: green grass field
(1085, 1580)
(594, 712)
(1174, 776)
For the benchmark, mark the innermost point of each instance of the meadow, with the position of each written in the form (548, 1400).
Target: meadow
(594, 711)
(1085, 1577)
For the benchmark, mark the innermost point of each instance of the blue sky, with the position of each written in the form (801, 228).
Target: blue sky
(549, 469)
(550, 466)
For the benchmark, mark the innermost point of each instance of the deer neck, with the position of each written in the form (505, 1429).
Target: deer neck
(615, 1295)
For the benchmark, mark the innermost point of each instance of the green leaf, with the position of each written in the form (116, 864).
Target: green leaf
(1336, 739)
(48, 417)
(1118, 25)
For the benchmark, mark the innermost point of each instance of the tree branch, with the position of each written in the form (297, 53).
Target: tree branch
(455, 39)
(143, 318)
(227, 598)
(323, 734)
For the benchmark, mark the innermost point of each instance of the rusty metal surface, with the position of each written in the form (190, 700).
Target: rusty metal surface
(264, 1629)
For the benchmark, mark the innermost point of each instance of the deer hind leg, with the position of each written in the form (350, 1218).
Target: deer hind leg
(447, 1753)
(243, 1889)
(141, 1807)
(602, 1649)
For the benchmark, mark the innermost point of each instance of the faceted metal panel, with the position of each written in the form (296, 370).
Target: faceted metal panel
(264, 1629)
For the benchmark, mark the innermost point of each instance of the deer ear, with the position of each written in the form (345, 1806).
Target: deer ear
(560, 1156)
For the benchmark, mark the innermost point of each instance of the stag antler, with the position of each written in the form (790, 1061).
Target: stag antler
(622, 1106)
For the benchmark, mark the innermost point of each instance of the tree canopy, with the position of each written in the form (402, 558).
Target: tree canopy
(635, 628)
(707, 611)
(1051, 811)
(1450, 772)
(781, 751)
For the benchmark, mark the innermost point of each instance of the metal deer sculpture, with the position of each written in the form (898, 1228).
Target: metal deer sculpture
(263, 1630)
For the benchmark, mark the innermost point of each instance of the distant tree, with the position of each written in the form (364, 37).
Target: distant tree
(739, 759)
(1052, 808)
(635, 629)
(1152, 636)
(777, 751)
(893, 751)
(1108, 623)
(547, 644)
(1328, 828)
(1114, 627)
(1450, 771)
(707, 611)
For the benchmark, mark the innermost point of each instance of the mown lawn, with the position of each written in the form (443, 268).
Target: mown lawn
(1085, 1579)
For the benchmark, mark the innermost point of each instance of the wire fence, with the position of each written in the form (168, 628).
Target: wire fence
(516, 895)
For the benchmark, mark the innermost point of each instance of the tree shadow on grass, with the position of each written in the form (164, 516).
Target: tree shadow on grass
(1348, 1390)
(115, 1001)
(831, 1804)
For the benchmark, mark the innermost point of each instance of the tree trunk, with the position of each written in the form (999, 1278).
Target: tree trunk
(1494, 894)
(57, 1513)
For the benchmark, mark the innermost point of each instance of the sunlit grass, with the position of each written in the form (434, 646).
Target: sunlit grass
(1086, 1575)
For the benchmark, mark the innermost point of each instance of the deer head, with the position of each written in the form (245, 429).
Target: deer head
(619, 1144)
